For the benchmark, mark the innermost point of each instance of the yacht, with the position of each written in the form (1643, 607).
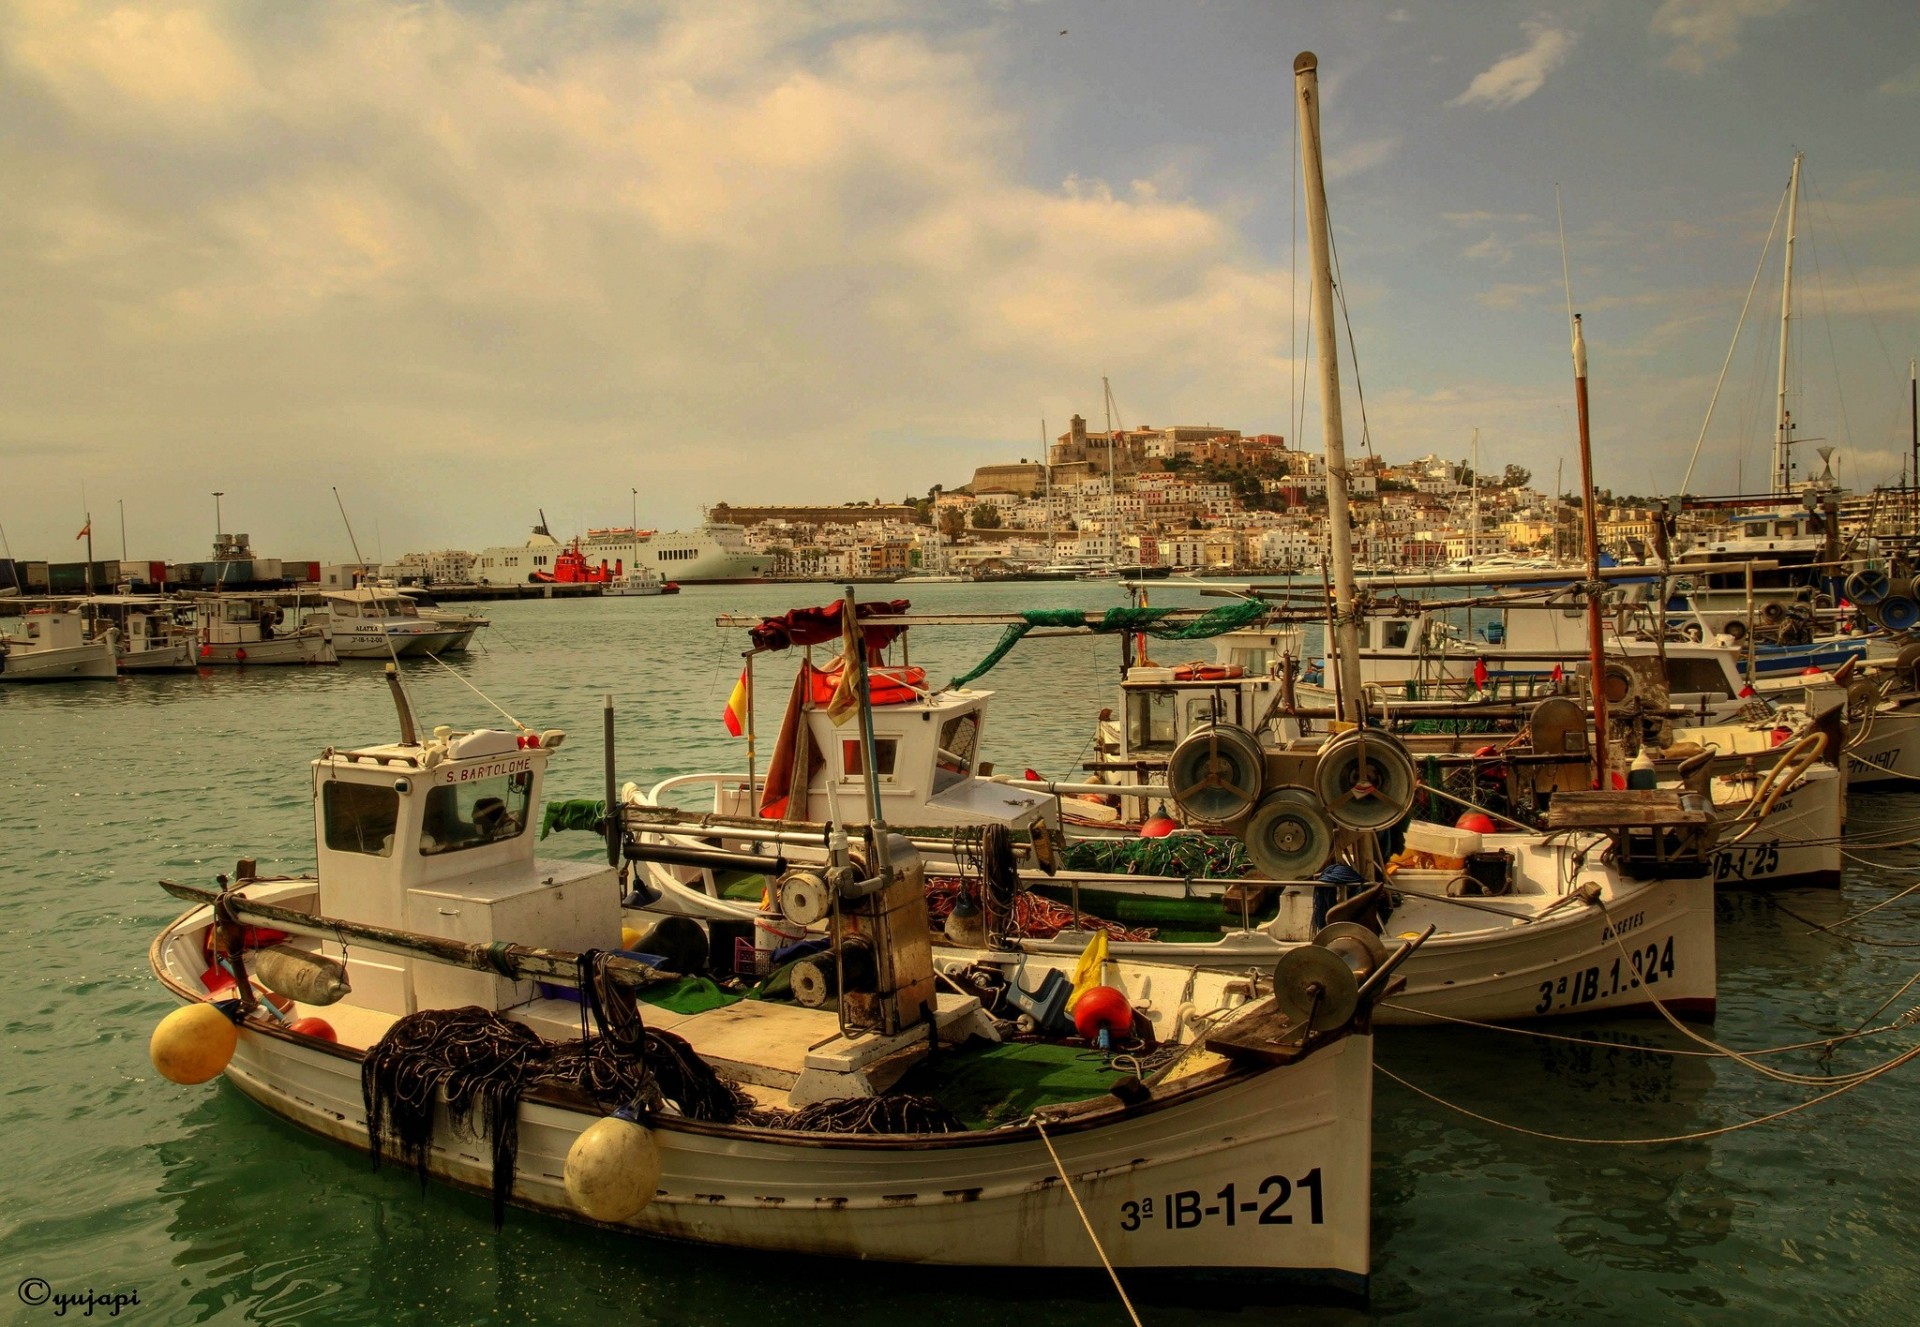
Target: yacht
(374, 622)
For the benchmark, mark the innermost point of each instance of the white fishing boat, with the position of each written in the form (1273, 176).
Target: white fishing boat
(462, 624)
(1246, 1148)
(374, 622)
(155, 634)
(254, 630)
(56, 645)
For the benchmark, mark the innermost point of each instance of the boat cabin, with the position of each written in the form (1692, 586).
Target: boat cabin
(438, 839)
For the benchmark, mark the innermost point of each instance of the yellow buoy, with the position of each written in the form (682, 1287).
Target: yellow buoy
(613, 1169)
(628, 937)
(193, 1044)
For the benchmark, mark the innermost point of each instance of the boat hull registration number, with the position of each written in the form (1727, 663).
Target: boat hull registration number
(1271, 1203)
(1647, 963)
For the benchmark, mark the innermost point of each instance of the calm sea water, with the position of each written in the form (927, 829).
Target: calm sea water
(116, 1181)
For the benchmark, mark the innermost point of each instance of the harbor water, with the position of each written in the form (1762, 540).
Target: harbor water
(116, 1182)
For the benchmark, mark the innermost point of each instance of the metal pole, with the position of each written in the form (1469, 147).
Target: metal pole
(856, 663)
(1306, 79)
(752, 805)
(1782, 464)
(612, 821)
(1596, 641)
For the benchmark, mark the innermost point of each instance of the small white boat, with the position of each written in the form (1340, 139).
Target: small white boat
(463, 625)
(1247, 1148)
(642, 581)
(374, 622)
(55, 646)
(254, 630)
(154, 634)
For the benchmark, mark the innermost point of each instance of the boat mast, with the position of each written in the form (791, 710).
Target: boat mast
(1046, 470)
(1782, 466)
(1913, 424)
(1590, 523)
(1473, 526)
(1346, 643)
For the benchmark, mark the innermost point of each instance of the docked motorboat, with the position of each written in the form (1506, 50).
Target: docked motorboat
(1242, 1143)
(464, 625)
(255, 630)
(377, 622)
(57, 644)
(155, 634)
(640, 582)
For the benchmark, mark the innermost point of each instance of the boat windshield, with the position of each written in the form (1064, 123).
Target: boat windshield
(472, 815)
(360, 817)
(1150, 720)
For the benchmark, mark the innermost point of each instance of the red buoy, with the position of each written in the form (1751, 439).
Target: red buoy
(317, 1028)
(1476, 822)
(1158, 826)
(1101, 1013)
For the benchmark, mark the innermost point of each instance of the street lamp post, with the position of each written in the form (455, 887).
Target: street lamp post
(218, 530)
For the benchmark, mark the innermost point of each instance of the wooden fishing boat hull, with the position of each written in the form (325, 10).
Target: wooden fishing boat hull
(1888, 754)
(295, 649)
(93, 661)
(1796, 845)
(1492, 960)
(1232, 1170)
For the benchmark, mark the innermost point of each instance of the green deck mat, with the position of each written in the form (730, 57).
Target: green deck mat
(689, 995)
(742, 887)
(989, 1084)
(1143, 910)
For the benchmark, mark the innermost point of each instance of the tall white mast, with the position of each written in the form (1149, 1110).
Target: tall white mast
(1346, 642)
(1473, 527)
(1782, 466)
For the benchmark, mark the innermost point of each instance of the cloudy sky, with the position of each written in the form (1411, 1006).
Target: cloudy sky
(466, 260)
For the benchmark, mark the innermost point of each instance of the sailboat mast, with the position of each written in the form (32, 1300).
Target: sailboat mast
(1782, 466)
(1046, 473)
(1590, 523)
(1346, 643)
(1473, 527)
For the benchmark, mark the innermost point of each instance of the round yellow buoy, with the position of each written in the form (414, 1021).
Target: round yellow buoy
(193, 1044)
(613, 1169)
(629, 937)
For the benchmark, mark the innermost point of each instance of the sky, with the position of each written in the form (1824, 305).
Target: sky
(464, 262)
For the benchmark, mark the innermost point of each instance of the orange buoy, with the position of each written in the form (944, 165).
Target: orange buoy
(317, 1028)
(1100, 1013)
(1475, 821)
(193, 1044)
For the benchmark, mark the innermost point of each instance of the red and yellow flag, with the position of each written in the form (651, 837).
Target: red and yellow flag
(736, 713)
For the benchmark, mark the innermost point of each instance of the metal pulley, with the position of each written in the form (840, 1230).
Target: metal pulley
(1365, 779)
(1359, 947)
(1216, 773)
(1315, 986)
(803, 897)
(1288, 837)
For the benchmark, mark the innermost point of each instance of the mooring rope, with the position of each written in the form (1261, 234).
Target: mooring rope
(1067, 1180)
(1678, 1052)
(1697, 1136)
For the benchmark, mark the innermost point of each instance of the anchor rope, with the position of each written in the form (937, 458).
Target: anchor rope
(1066, 1179)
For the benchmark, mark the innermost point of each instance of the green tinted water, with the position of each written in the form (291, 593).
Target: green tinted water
(210, 1210)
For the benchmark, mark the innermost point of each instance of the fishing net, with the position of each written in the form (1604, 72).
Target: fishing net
(481, 1064)
(1151, 621)
(1029, 915)
(576, 813)
(1193, 856)
(889, 1114)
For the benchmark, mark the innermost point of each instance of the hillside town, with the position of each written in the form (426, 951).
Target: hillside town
(1195, 497)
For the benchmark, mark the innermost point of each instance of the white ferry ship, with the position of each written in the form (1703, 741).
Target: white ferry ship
(716, 552)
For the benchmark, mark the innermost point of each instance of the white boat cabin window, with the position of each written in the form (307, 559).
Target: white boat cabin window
(1212, 707)
(1255, 659)
(360, 817)
(1150, 720)
(959, 737)
(472, 815)
(885, 751)
(1395, 632)
(238, 612)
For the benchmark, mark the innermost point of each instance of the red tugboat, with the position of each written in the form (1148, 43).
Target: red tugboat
(571, 568)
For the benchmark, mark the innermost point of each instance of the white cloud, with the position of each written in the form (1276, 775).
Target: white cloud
(1706, 31)
(1513, 78)
(396, 242)
(1352, 158)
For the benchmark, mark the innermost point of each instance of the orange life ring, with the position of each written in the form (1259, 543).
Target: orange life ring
(886, 686)
(1206, 672)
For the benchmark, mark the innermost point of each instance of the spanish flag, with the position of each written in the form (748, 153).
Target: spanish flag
(736, 715)
(86, 529)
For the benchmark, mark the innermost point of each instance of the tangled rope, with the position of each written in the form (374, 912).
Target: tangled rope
(1029, 915)
(866, 1115)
